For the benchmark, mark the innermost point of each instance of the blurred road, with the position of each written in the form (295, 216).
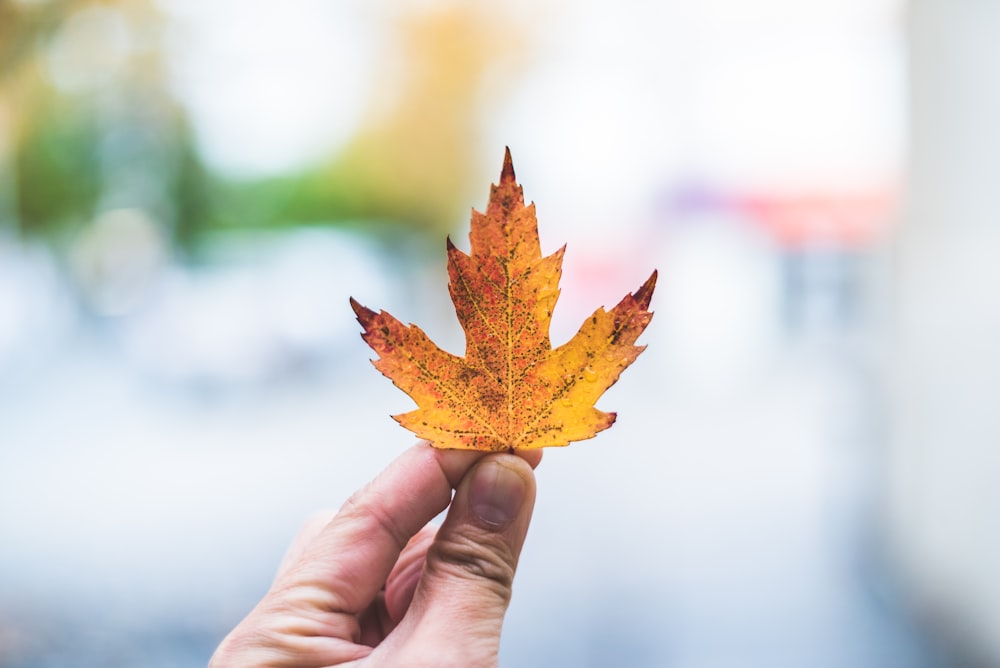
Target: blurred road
(726, 520)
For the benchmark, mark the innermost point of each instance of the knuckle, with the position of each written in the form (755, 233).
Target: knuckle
(486, 560)
(361, 507)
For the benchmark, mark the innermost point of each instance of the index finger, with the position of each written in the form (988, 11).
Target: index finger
(351, 557)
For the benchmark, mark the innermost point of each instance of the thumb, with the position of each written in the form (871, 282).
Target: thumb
(466, 584)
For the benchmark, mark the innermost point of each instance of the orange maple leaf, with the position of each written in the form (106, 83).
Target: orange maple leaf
(511, 390)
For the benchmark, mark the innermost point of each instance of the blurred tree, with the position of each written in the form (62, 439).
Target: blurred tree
(409, 163)
(21, 24)
(411, 160)
(57, 182)
(90, 124)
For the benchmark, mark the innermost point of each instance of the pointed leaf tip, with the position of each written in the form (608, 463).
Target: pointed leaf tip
(508, 167)
(645, 292)
(363, 312)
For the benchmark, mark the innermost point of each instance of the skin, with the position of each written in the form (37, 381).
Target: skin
(376, 585)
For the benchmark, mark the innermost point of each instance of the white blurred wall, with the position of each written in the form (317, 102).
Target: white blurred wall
(944, 459)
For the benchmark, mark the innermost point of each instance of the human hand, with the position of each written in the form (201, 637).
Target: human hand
(378, 586)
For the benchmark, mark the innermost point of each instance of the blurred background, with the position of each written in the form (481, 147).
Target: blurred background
(806, 465)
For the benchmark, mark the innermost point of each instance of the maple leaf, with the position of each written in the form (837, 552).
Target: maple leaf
(511, 390)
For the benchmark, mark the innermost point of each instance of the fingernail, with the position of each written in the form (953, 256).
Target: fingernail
(496, 494)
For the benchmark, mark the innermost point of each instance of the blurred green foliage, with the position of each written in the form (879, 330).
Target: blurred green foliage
(116, 136)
